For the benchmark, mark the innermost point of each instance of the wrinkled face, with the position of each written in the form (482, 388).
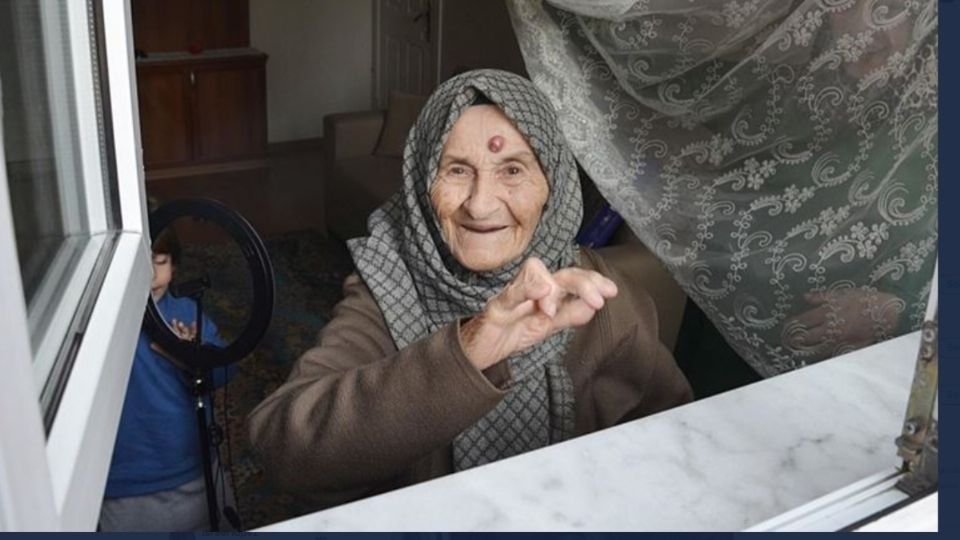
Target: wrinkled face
(162, 275)
(489, 191)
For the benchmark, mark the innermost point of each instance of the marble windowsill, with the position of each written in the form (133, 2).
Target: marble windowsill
(723, 463)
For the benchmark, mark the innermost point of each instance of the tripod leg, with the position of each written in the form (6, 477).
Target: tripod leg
(199, 384)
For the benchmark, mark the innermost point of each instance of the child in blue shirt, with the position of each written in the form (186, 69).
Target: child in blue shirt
(156, 475)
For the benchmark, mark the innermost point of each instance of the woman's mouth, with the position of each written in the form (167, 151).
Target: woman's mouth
(484, 229)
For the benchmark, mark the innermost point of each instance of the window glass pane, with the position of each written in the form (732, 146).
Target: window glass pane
(60, 172)
(41, 143)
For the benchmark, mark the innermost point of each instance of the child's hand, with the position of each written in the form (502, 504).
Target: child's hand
(184, 332)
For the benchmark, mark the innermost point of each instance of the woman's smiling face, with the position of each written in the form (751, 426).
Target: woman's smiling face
(489, 191)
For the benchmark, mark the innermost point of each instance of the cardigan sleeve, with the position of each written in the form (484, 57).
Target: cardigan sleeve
(356, 412)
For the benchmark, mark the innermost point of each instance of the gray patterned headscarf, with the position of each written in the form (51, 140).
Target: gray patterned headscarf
(420, 287)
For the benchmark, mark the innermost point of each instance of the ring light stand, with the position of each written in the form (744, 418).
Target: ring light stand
(197, 357)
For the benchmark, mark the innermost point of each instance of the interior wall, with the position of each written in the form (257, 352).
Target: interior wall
(478, 34)
(320, 61)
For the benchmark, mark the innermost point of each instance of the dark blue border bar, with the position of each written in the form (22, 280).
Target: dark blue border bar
(949, 267)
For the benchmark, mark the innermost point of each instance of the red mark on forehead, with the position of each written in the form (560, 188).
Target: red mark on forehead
(495, 144)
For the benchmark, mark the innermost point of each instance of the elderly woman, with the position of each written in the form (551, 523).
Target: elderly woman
(474, 329)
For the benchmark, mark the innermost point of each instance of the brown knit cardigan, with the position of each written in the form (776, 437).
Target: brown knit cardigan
(357, 417)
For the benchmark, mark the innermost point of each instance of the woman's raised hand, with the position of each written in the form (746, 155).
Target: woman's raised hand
(534, 306)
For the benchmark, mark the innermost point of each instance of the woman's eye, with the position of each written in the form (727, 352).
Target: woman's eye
(512, 173)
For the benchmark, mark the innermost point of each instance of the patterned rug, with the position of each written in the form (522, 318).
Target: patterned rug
(309, 273)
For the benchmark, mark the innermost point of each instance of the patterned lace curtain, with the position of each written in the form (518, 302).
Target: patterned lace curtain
(780, 157)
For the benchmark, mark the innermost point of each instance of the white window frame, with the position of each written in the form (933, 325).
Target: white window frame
(56, 482)
(87, 213)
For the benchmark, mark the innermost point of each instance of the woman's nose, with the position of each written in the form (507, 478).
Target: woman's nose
(484, 199)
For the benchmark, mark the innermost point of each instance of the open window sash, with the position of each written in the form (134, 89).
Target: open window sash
(52, 476)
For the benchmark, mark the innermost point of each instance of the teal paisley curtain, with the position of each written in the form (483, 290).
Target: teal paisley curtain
(779, 156)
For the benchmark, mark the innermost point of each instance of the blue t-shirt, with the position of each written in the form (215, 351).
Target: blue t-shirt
(158, 445)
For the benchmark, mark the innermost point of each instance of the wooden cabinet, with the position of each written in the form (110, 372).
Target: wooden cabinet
(230, 121)
(202, 109)
(202, 89)
(165, 125)
(183, 25)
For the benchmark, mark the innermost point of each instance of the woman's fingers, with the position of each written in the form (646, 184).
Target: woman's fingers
(592, 287)
(536, 327)
(533, 282)
(535, 305)
(814, 317)
(586, 292)
(811, 336)
(810, 327)
(544, 303)
(549, 291)
(570, 278)
(573, 312)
